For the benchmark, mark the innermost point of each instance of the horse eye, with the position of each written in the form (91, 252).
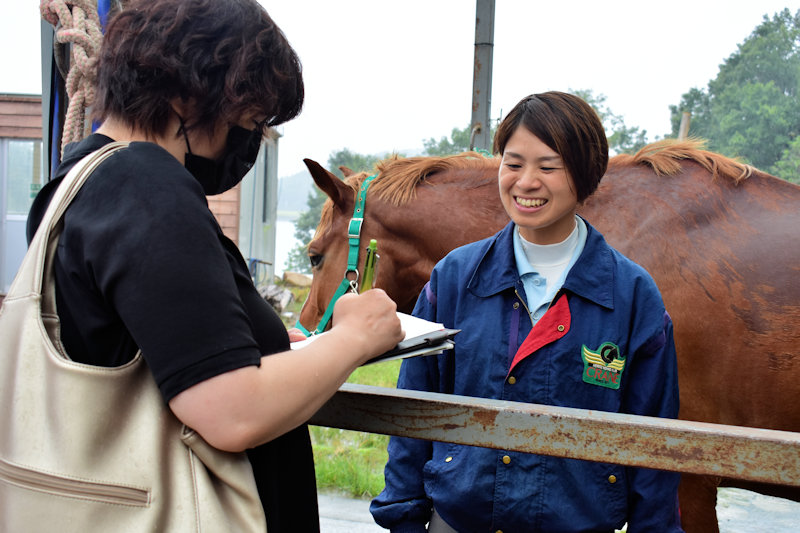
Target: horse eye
(315, 260)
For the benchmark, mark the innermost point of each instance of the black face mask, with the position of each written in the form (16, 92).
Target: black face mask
(241, 151)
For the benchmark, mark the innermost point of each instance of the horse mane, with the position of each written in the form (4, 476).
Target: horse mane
(665, 157)
(398, 176)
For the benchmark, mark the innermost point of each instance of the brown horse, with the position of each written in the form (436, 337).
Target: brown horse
(720, 238)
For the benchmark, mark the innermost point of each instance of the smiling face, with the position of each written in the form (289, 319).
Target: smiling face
(536, 189)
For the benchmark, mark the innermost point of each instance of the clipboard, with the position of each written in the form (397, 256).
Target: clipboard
(422, 338)
(431, 343)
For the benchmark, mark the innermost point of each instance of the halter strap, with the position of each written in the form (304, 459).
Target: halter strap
(354, 243)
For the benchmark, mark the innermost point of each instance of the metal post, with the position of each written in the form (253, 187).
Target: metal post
(683, 131)
(480, 137)
(760, 455)
(53, 95)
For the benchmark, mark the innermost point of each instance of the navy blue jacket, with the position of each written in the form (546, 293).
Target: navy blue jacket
(605, 343)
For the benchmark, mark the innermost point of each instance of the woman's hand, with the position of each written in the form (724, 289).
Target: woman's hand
(369, 320)
(237, 409)
(295, 335)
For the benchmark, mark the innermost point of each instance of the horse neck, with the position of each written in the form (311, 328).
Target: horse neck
(451, 208)
(448, 211)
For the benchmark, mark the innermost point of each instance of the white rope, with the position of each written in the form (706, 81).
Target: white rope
(77, 23)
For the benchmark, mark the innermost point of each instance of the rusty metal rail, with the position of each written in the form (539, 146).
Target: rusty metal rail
(729, 451)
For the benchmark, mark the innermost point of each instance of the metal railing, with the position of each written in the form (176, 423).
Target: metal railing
(752, 454)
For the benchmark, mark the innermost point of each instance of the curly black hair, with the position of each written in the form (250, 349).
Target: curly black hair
(222, 59)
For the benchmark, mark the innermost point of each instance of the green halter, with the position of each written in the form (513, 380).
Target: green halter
(354, 241)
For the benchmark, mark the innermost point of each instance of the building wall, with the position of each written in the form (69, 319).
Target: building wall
(258, 212)
(20, 116)
(225, 207)
(20, 176)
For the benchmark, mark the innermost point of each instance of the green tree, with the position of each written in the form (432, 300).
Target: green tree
(308, 220)
(304, 231)
(751, 109)
(621, 138)
(457, 143)
(759, 125)
(695, 102)
(788, 167)
(353, 161)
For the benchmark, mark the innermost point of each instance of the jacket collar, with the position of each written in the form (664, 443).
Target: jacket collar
(591, 277)
(76, 151)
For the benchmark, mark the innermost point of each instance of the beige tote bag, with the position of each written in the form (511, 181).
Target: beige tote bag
(94, 449)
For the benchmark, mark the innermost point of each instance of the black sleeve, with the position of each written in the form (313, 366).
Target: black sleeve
(141, 235)
(38, 208)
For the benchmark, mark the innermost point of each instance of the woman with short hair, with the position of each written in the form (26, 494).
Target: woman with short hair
(550, 314)
(142, 264)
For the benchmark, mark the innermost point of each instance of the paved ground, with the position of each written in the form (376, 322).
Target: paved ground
(742, 511)
(739, 511)
(345, 515)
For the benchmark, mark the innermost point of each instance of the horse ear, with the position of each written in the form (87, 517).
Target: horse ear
(346, 171)
(335, 188)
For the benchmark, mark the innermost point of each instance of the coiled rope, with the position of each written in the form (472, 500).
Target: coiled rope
(76, 22)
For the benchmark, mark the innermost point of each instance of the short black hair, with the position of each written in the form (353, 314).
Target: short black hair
(222, 58)
(570, 127)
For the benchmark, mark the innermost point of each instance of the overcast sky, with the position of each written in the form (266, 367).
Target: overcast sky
(382, 76)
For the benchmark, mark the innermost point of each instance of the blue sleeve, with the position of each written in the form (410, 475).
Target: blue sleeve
(403, 506)
(653, 391)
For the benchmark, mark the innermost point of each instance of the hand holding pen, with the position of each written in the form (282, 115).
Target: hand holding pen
(370, 267)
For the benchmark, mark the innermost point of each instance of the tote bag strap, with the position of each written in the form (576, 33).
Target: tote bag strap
(30, 276)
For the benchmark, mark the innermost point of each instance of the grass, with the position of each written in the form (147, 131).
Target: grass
(349, 462)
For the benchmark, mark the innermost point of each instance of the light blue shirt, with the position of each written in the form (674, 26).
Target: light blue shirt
(538, 291)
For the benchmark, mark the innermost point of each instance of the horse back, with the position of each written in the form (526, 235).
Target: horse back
(725, 256)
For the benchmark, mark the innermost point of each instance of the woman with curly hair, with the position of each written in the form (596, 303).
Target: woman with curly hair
(142, 264)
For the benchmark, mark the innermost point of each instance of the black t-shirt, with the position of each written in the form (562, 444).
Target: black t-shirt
(142, 263)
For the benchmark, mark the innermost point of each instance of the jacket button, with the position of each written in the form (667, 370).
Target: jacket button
(512, 380)
(612, 478)
(560, 327)
(516, 305)
(506, 459)
(448, 459)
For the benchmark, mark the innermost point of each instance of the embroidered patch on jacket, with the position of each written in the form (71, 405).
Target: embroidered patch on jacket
(603, 367)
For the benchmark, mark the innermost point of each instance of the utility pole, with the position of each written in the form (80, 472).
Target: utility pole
(480, 128)
(683, 131)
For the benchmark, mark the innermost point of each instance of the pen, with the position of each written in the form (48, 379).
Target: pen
(370, 266)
